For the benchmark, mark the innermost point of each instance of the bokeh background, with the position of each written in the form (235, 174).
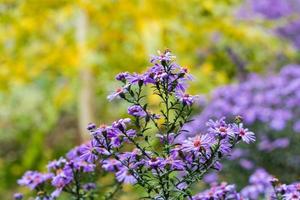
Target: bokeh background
(58, 59)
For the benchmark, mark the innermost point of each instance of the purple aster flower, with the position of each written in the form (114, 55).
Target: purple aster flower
(265, 144)
(165, 56)
(295, 195)
(218, 166)
(180, 88)
(111, 164)
(136, 111)
(211, 178)
(252, 191)
(116, 141)
(219, 128)
(113, 131)
(260, 176)
(121, 124)
(184, 72)
(32, 179)
(124, 176)
(162, 76)
(182, 186)
(246, 164)
(197, 143)
(118, 93)
(82, 166)
(297, 126)
(175, 164)
(91, 151)
(277, 123)
(62, 179)
(281, 143)
(128, 157)
(73, 153)
(131, 133)
(186, 99)
(156, 162)
(123, 76)
(246, 135)
(56, 164)
(140, 79)
(18, 196)
(91, 127)
(237, 153)
(225, 147)
(100, 131)
(166, 138)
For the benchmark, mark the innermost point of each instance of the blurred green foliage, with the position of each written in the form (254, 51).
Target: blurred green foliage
(42, 59)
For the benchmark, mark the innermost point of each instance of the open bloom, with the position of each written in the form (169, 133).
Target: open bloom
(219, 128)
(90, 151)
(246, 135)
(197, 143)
(295, 195)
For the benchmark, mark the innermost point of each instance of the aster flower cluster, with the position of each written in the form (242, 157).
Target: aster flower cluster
(273, 9)
(259, 185)
(222, 191)
(262, 185)
(287, 11)
(144, 150)
(270, 106)
(160, 164)
(273, 100)
(70, 175)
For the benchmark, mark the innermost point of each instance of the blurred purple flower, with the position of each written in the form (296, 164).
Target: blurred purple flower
(33, 179)
(125, 176)
(246, 164)
(136, 111)
(211, 178)
(18, 196)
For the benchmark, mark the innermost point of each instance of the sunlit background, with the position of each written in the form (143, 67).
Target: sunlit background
(58, 60)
